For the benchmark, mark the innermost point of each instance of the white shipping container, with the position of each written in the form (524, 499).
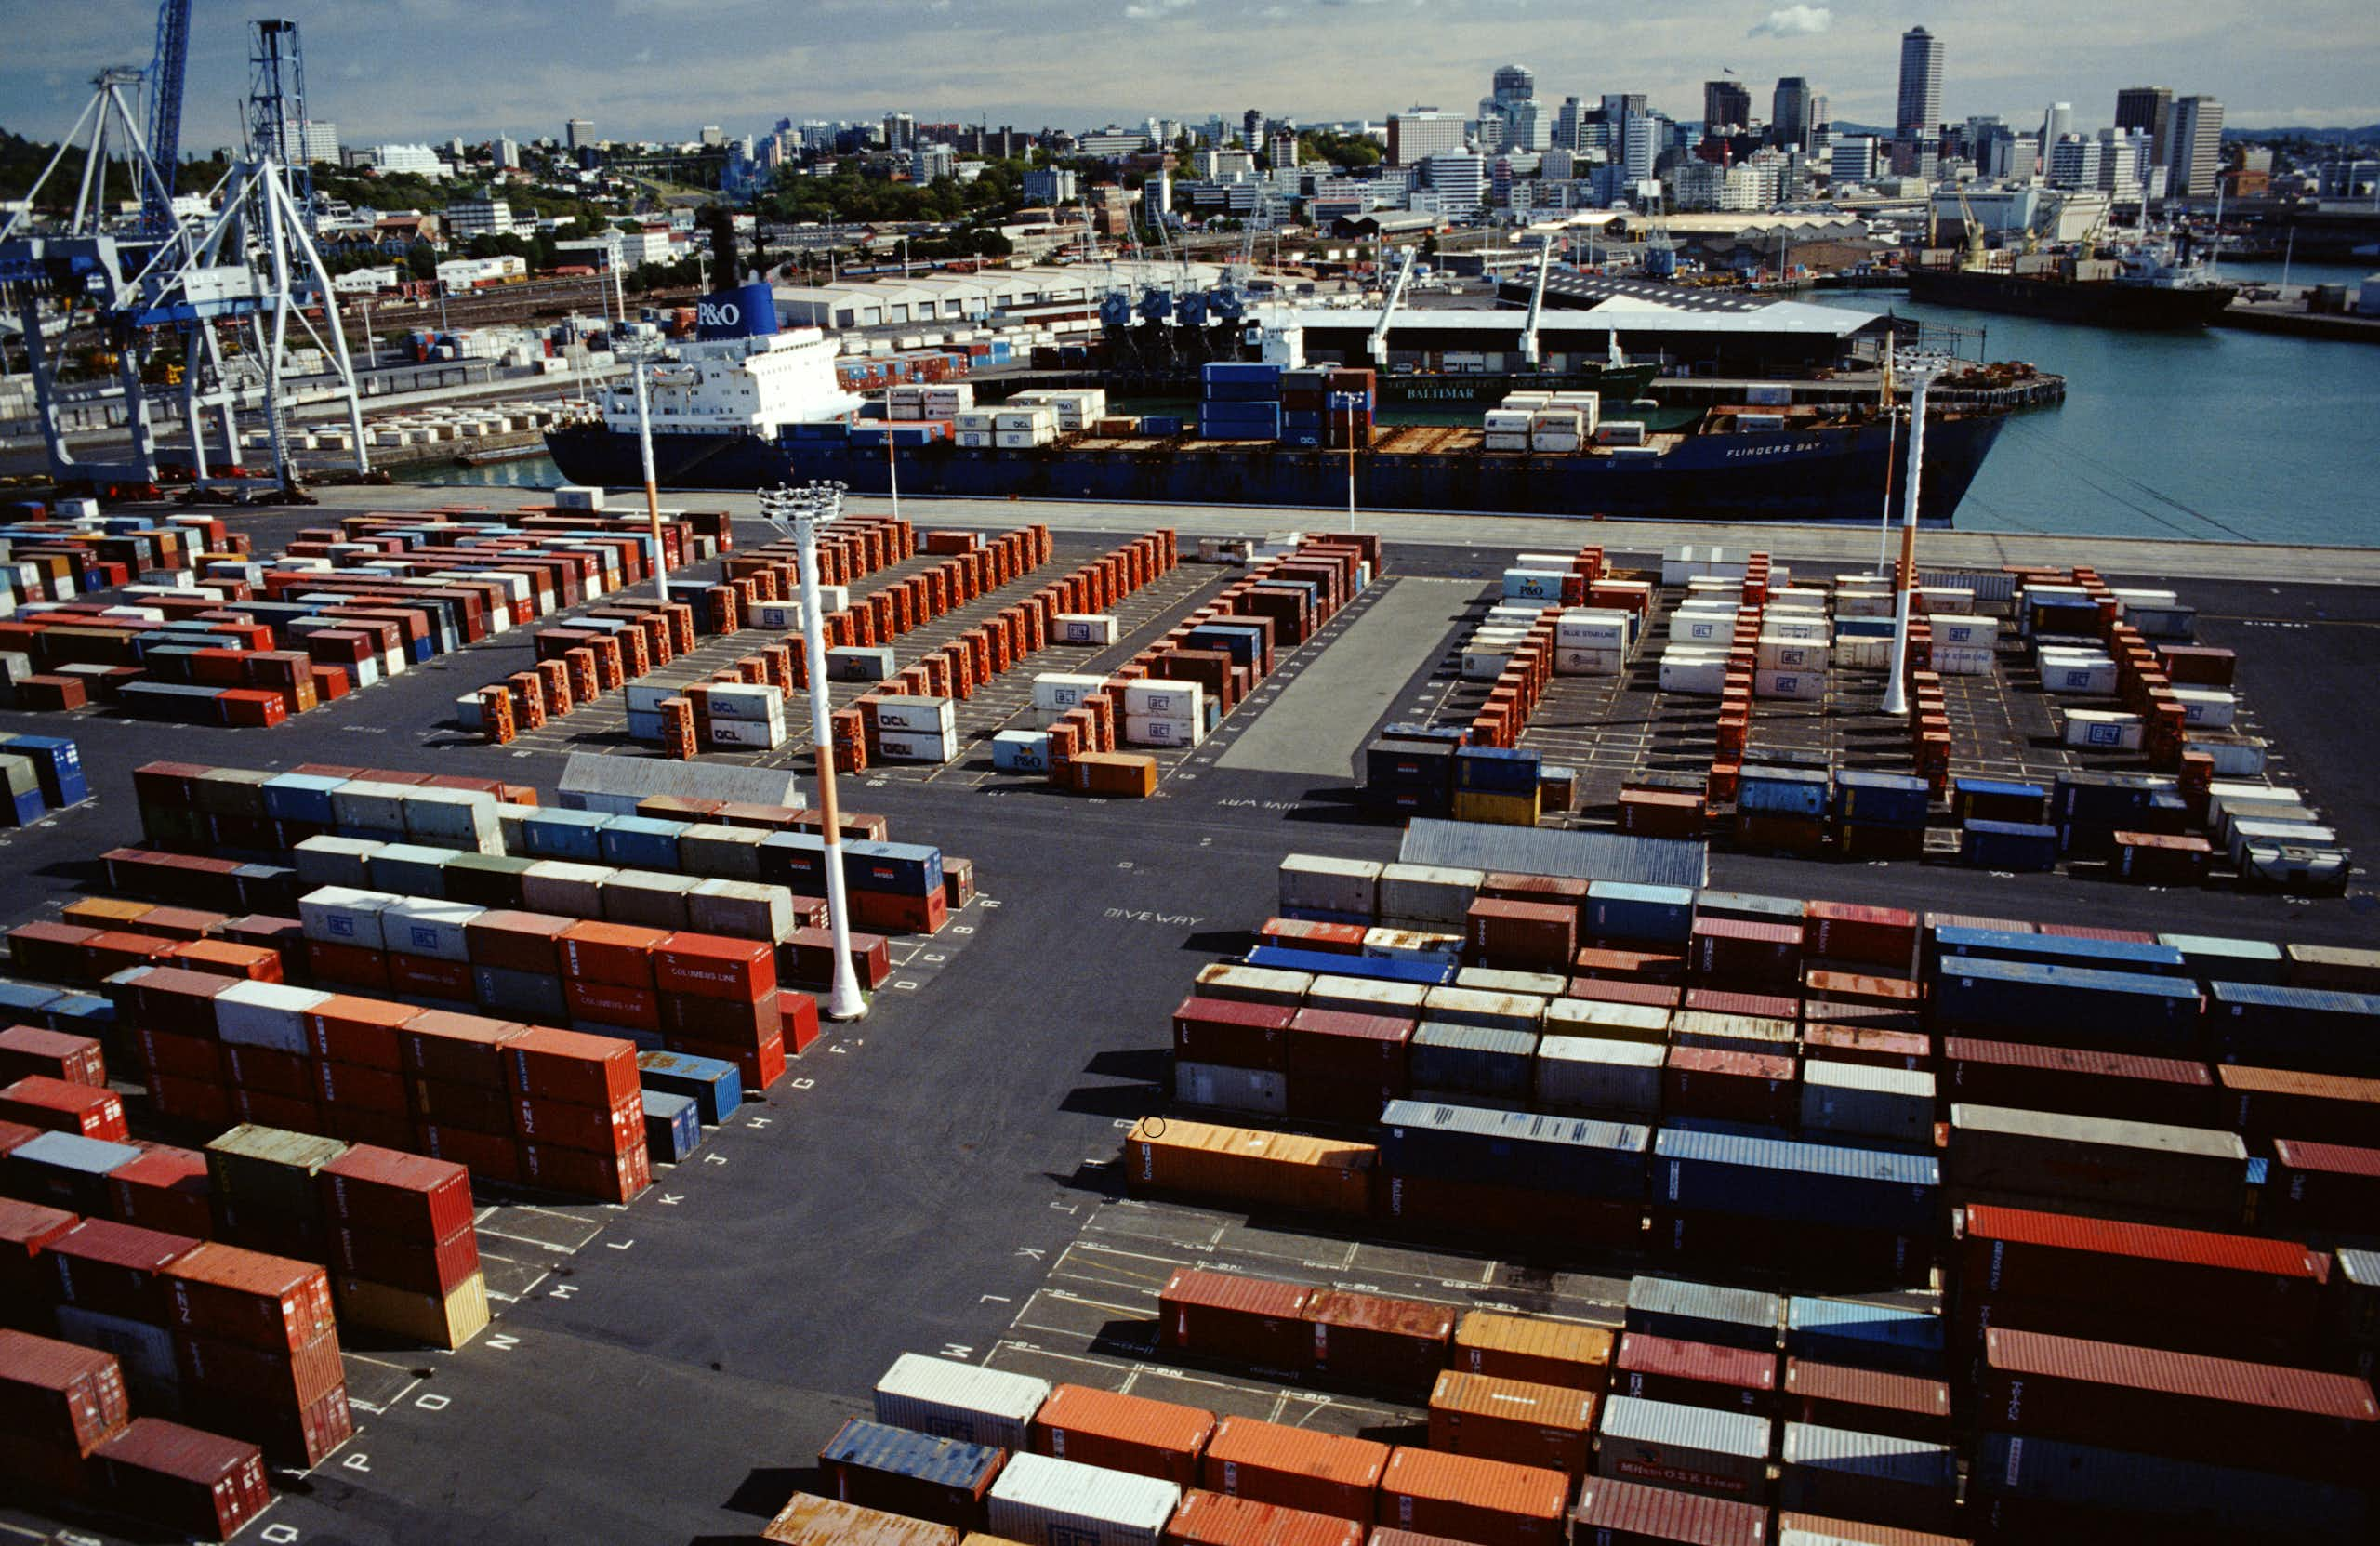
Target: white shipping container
(756, 702)
(1570, 662)
(1699, 674)
(923, 716)
(1502, 1011)
(1486, 979)
(1704, 626)
(335, 862)
(1159, 698)
(2290, 834)
(340, 915)
(1320, 883)
(1411, 945)
(1862, 604)
(1982, 632)
(759, 734)
(2103, 731)
(1059, 690)
(1853, 654)
(1254, 984)
(959, 1401)
(1429, 894)
(1951, 660)
(1585, 630)
(2208, 708)
(2236, 755)
(266, 1014)
(1801, 629)
(1363, 995)
(1583, 1073)
(901, 746)
(1084, 627)
(719, 907)
(1941, 598)
(1594, 1019)
(1791, 686)
(360, 805)
(1772, 654)
(1863, 1101)
(1253, 1089)
(1157, 730)
(1484, 665)
(1040, 1500)
(426, 925)
(2092, 677)
(1497, 439)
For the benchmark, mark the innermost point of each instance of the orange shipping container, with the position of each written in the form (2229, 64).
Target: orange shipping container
(1240, 1320)
(1279, 1169)
(1533, 1348)
(1213, 1519)
(1488, 1502)
(1511, 1419)
(808, 1520)
(1295, 1468)
(1161, 1439)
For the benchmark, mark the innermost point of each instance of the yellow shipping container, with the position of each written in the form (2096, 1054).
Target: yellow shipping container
(1534, 1348)
(1501, 810)
(1249, 1166)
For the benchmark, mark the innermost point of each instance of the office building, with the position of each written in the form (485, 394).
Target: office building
(1566, 123)
(1050, 185)
(1789, 117)
(1725, 105)
(1282, 150)
(478, 216)
(1853, 159)
(2057, 123)
(1460, 178)
(1416, 135)
(2194, 147)
(2124, 160)
(578, 134)
(2074, 163)
(932, 160)
(507, 152)
(2147, 109)
(1251, 128)
(420, 160)
(1514, 83)
(1643, 136)
(710, 137)
(1920, 106)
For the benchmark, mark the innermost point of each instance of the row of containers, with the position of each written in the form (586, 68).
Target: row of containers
(62, 549)
(236, 641)
(1178, 689)
(41, 775)
(1325, 406)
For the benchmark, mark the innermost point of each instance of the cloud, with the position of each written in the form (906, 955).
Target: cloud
(1146, 11)
(1794, 22)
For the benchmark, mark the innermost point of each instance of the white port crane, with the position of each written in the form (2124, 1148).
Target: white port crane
(1377, 345)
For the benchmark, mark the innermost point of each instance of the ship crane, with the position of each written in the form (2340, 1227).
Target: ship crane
(1377, 344)
(1536, 302)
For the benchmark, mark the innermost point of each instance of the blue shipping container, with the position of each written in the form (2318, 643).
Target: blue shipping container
(897, 870)
(2008, 845)
(1515, 1148)
(673, 1126)
(2056, 950)
(558, 834)
(715, 1084)
(928, 1460)
(1881, 798)
(2297, 1027)
(1783, 791)
(1864, 1336)
(1496, 770)
(1623, 910)
(60, 765)
(1473, 1060)
(1703, 1312)
(1776, 1177)
(2095, 1008)
(2215, 1497)
(1370, 969)
(641, 842)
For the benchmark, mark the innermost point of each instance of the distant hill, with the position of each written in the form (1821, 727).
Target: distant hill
(2368, 134)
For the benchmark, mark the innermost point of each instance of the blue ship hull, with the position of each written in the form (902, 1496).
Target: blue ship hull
(1833, 472)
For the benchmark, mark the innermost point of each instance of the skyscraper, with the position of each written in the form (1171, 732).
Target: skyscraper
(1421, 133)
(2057, 123)
(1566, 124)
(2147, 108)
(1788, 116)
(1921, 85)
(2194, 147)
(578, 134)
(1725, 105)
(1514, 83)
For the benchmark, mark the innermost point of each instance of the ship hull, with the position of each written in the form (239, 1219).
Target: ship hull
(1829, 473)
(2099, 305)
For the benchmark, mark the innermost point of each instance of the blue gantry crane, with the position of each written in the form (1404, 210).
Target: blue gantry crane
(165, 68)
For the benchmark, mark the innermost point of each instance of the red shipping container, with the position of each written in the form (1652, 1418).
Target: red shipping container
(245, 1296)
(39, 1101)
(481, 1107)
(1560, 889)
(31, 1050)
(1517, 1420)
(618, 955)
(293, 1376)
(1860, 990)
(269, 1072)
(206, 1102)
(267, 1110)
(1523, 933)
(57, 1393)
(26, 1229)
(1477, 1208)
(1850, 932)
(1239, 1320)
(405, 1197)
(709, 966)
(1230, 1032)
(1760, 1006)
(729, 1021)
(1609, 963)
(571, 1067)
(1132, 1434)
(170, 999)
(1611, 991)
(1297, 933)
(114, 1269)
(578, 1127)
(2325, 1186)
(336, 965)
(192, 1482)
(1867, 1401)
(433, 1270)
(1294, 1468)
(489, 1157)
(1612, 1511)
(1390, 1343)
(608, 1004)
(297, 1437)
(762, 1066)
(606, 1178)
(377, 1128)
(2028, 1076)
(1877, 1046)
(2186, 1407)
(517, 941)
(374, 1091)
(1488, 1502)
(466, 1049)
(1756, 1088)
(186, 1057)
(1748, 955)
(428, 977)
(1695, 1374)
(1217, 1519)
(1368, 1049)
(165, 1189)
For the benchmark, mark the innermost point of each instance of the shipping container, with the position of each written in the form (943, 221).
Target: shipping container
(1252, 1167)
(2197, 1174)
(1471, 1143)
(1044, 1502)
(1218, 1519)
(1865, 1400)
(959, 1401)
(1245, 1320)
(1294, 1468)
(1692, 1449)
(809, 1520)
(1488, 1502)
(1612, 1511)
(878, 1466)
(1897, 1338)
(1162, 1439)
(1368, 1340)
(1534, 1348)
(1511, 1419)
(1696, 1374)
(1703, 1312)
(1783, 1179)
(1911, 1484)
(2225, 1501)
(193, 1483)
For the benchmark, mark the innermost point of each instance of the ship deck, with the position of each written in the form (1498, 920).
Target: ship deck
(939, 1178)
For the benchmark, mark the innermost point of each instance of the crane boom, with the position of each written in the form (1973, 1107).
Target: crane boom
(165, 114)
(1536, 302)
(1378, 345)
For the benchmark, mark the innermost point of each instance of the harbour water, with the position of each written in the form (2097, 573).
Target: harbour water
(2223, 435)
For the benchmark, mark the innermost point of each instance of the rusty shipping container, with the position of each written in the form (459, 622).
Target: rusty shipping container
(810, 1520)
(1551, 1426)
(1396, 1344)
(1250, 1167)
(1614, 1512)
(1245, 1320)
(1217, 1519)
(1535, 1348)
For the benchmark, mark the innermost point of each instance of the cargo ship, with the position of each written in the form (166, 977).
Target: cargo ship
(747, 406)
(2152, 286)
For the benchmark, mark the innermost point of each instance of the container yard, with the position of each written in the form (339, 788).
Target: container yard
(1460, 1048)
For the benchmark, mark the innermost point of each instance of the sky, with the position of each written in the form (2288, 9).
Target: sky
(425, 70)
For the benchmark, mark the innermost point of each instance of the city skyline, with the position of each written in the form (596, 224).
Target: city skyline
(444, 67)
